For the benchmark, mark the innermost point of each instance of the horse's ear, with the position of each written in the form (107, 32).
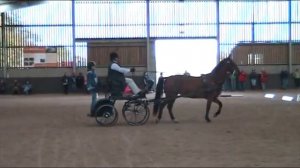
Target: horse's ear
(229, 58)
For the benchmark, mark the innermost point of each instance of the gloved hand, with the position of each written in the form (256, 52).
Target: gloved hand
(132, 69)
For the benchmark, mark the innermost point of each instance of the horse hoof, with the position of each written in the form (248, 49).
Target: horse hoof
(157, 121)
(207, 120)
(175, 121)
(216, 114)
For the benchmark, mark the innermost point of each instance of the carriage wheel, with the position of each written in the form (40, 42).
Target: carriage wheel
(136, 113)
(106, 115)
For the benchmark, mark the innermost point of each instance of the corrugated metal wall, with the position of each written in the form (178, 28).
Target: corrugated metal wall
(133, 53)
(231, 22)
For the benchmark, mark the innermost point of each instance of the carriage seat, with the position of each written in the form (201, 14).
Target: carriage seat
(117, 92)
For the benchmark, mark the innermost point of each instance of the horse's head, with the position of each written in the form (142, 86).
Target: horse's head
(230, 66)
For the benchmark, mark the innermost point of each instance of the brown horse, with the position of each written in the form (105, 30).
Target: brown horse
(208, 86)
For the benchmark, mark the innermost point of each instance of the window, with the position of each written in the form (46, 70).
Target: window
(28, 62)
(255, 58)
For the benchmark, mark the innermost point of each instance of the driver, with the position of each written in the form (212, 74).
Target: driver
(117, 79)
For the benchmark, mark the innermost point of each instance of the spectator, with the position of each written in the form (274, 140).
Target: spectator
(263, 79)
(253, 79)
(227, 84)
(284, 79)
(73, 82)
(80, 81)
(27, 88)
(65, 83)
(2, 87)
(242, 79)
(92, 85)
(296, 76)
(233, 77)
(16, 87)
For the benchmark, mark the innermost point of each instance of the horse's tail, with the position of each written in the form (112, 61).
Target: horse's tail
(158, 94)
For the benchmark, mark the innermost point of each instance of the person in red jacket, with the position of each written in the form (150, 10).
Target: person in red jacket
(242, 79)
(263, 79)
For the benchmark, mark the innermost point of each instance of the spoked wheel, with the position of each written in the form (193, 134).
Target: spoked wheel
(106, 115)
(136, 112)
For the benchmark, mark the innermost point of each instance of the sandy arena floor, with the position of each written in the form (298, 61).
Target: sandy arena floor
(53, 131)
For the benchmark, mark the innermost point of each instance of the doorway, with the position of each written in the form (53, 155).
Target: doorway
(177, 56)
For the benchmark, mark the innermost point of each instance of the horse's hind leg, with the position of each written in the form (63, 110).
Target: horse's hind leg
(170, 107)
(216, 100)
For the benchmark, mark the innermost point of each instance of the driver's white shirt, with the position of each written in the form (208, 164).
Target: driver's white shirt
(116, 67)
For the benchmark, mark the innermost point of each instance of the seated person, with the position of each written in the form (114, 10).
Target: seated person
(27, 88)
(117, 79)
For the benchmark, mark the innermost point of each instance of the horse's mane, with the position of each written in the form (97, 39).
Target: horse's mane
(220, 65)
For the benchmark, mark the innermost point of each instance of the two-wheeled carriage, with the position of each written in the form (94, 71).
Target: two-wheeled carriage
(135, 110)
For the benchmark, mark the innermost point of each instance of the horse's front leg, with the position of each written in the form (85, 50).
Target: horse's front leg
(208, 104)
(217, 101)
